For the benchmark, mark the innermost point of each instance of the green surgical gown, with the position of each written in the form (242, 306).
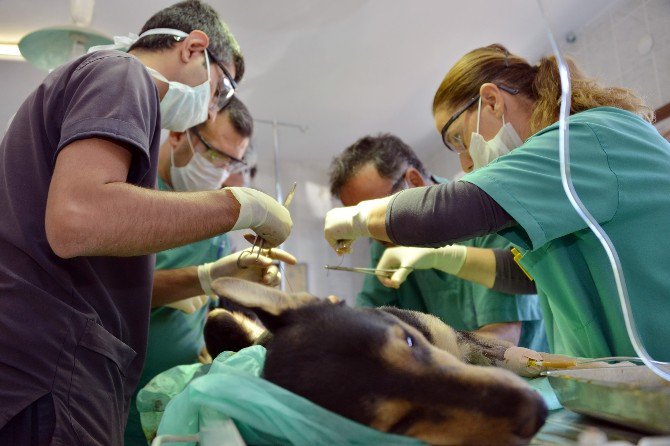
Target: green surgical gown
(621, 170)
(459, 303)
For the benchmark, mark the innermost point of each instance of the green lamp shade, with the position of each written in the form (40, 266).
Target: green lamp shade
(48, 48)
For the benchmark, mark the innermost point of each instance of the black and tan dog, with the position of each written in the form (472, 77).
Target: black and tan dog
(395, 370)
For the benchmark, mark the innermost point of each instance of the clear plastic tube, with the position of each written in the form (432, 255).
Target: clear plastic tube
(566, 179)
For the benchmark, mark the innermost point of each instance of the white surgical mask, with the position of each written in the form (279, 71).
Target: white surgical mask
(183, 106)
(483, 152)
(199, 174)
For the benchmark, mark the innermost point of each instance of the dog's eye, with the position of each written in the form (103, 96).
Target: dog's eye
(410, 341)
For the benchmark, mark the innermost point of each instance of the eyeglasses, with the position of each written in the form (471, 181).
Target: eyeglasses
(218, 157)
(226, 86)
(395, 187)
(456, 143)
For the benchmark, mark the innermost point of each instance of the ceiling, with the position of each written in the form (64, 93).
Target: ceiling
(341, 68)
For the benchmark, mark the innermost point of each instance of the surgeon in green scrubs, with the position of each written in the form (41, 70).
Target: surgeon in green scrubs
(199, 159)
(620, 167)
(376, 166)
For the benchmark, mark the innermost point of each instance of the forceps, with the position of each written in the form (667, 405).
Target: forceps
(259, 240)
(373, 271)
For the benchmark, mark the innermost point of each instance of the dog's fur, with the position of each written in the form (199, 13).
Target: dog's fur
(398, 371)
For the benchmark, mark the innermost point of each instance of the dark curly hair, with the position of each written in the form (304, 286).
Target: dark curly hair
(187, 16)
(389, 154)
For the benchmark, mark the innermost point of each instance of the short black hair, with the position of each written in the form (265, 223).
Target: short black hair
(187, 16)
(239, 116)
(388, 153)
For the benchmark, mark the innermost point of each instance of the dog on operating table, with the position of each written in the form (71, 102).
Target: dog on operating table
(395, 370)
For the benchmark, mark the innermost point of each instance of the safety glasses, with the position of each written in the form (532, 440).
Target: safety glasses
(395, 187)
(218, 157)
(455, 143)
(226, 86)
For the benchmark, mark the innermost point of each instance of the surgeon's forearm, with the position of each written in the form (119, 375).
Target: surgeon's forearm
(171, 285)
(479, 267)
(120, 219)
(92, 211)
(377, 223)
(496, 269)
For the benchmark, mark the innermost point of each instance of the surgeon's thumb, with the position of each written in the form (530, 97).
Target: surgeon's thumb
(397, 278)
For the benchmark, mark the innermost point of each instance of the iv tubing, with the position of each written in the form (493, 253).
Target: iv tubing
(566, 179)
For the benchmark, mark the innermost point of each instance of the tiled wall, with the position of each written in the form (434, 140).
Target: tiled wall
(628, 44)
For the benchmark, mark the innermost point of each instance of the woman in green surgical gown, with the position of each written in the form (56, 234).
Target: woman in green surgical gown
(499, 112)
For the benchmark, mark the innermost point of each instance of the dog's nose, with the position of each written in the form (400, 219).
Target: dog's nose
(533, 415)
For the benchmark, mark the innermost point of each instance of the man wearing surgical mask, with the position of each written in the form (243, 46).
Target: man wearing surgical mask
(199, 159)
(378, 166)
(81, 218)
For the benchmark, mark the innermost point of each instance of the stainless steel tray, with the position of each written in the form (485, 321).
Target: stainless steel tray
(632, 396)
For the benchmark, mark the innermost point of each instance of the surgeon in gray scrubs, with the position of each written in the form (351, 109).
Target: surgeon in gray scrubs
(80, 216)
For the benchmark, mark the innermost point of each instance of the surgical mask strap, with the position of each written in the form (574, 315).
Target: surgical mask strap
(479, 111)
(190, 144)
(125, 42)
(188, 138)
(160, 77)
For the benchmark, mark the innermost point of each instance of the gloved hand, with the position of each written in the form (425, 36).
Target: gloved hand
(344, 225)
(263, 214)
(449, 259)
(189, 305)
(245, 265)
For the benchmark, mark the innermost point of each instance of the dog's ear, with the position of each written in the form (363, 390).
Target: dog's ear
(268, 303)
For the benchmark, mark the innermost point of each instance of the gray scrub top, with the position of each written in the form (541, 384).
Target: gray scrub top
(74, 327)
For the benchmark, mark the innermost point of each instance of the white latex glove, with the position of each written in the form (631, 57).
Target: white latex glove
(405, 259)
(344, 225)
(260, 269)
(190, 305)
(263, 214)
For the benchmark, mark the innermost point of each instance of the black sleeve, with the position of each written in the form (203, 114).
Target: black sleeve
(442, 214)
(510, 278)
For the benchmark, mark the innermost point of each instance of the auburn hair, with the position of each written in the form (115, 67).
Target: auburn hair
(540, 83)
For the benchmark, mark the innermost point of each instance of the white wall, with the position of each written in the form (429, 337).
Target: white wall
(18, 79)
(628, 44)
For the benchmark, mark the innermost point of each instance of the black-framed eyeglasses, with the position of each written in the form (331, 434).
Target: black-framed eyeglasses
(396, 185)
(218, 157)
(456, 144)
(226, 86)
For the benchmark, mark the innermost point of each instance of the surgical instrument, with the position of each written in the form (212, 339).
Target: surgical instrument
(375, 272)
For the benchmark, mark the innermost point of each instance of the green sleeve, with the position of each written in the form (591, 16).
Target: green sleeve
(527, 184)
(374, 294)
